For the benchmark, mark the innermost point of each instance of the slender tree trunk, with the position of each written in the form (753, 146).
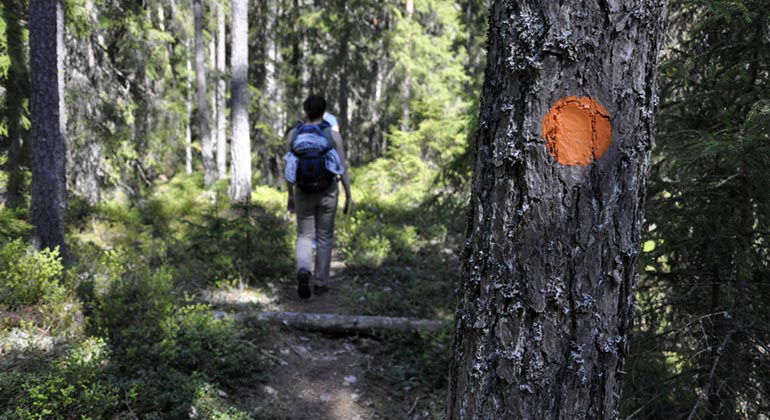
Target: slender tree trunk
(91, 182)
(204, 115)
(240, 182)
(187, 129)
(306, 43)
(379, 145)
(545, 300)
(272, 106)
(344, 89)
(295, 85)
(49, 186)
(17, 89)
(274, 99)
(214, 83)
(221, 87)
(406, 86)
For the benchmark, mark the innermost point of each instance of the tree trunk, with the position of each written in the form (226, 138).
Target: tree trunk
(221, 87)
(214, 83)
(545, 301)
(240, 161)
(207, 146)
(187, 129)
(344, 89)
(49, 186)
(406, 86)
(17, 88)
(274, 98)
(295, 64)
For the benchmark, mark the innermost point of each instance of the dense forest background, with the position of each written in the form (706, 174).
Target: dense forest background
(122, 327)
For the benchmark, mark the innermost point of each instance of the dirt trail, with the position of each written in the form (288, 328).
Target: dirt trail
(317, 376)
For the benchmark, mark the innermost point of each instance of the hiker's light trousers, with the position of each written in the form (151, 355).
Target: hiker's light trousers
(315, 221)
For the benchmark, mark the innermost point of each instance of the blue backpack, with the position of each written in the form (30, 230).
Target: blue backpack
(310, 144)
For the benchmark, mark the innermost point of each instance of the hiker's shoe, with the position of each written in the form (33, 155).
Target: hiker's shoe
(320, 290)
(303, 283)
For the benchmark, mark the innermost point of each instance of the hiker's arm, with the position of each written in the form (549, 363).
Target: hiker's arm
(289, 185)
(345, 176)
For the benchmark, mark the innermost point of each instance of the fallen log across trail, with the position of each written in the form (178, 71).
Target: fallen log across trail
(342, 324)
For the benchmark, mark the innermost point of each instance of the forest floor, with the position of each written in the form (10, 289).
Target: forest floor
(320, 376)
(137, 322)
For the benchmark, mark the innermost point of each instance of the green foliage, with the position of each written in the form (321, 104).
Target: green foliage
(426, 52)
(75, 385)
(164, 348)
(705, 272)
(425, 49)
(144, 236)
(652, 391)
(248, 245)
(205, 238)
(76, 16)
(5, 59)
(196, 341)
(178, 197)
(402, 238)
(29, 278)
(13, 223)
(162, 355)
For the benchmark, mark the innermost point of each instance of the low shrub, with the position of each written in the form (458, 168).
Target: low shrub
(165, 348)
(75, 385)
(246, 244)
(29, 277)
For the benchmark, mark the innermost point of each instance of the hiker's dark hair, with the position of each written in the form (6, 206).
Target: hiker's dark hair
(314, 106)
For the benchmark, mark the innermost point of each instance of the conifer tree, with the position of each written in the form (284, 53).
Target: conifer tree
(545, 300)
(49, 186)
(221, 125)
(204, 115)
(240, 182)
(706, 279)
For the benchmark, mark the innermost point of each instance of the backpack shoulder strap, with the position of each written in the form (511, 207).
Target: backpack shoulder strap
(295, 133)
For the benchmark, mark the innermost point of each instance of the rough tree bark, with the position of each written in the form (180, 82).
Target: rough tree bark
(49, 186)
(545, 301)
(204, 115)
(221, 87)
(240, 161)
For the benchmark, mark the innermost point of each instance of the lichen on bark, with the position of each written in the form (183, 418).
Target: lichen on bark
(545, 296)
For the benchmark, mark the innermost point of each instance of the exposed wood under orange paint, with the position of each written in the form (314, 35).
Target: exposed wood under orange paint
(577, 130)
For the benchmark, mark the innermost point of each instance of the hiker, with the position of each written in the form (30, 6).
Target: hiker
(314, 164)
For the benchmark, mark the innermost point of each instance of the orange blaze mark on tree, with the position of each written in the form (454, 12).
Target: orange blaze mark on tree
(577, 131)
